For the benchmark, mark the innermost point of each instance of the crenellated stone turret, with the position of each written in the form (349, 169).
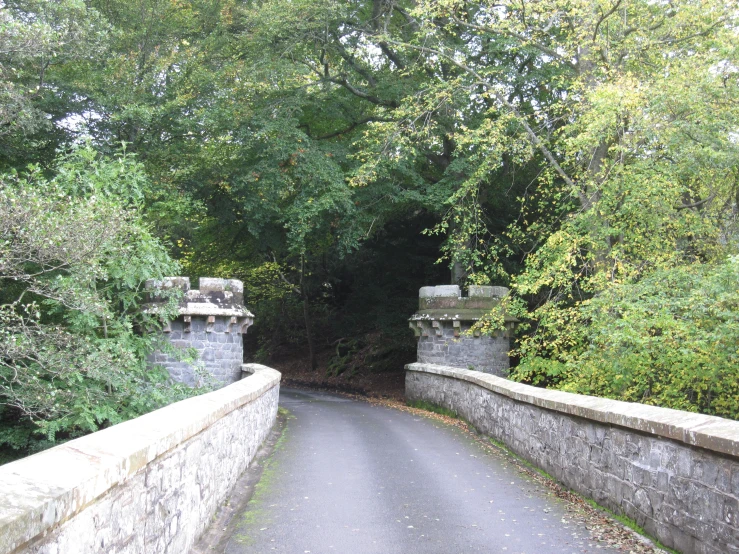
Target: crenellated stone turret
(443, 322)
(212, 320)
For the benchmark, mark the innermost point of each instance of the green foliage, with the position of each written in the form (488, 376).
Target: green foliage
(74, 253)
(623, 116)
(42, 44)
(670, 340)
(345, 351)
(328, 152)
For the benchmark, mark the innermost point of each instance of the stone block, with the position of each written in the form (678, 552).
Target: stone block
(237, 289)
(723, 478)
(427, 292)
(182, 283)
(479, 291)
(447, 291)
(235, 286)
(211, 284)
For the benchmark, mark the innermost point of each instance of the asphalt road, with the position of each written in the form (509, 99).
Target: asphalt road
(350, 477)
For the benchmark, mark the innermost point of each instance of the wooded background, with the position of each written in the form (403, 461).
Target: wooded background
(338, 155)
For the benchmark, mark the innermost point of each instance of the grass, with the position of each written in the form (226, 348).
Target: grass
(267, 479)
(429, 407)
(628, 522)
(523, 461)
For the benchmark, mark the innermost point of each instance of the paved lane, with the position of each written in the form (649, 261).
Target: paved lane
(350, 477)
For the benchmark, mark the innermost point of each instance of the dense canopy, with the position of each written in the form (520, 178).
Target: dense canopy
(337, 155)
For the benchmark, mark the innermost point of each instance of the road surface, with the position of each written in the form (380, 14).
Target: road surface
(350, 477)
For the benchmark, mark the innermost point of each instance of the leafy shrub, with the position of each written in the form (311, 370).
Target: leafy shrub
(672, 340)
(74, 253)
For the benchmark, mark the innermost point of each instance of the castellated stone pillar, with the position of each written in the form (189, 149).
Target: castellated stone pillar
(442, 320)
(212, 320)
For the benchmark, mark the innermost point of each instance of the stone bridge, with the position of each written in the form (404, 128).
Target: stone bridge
(155, 484)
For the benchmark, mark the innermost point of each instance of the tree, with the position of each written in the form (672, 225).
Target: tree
(629, 109)
(74, 253)
(669, 339)
(43, 47)
(215, 111)
(567, 149)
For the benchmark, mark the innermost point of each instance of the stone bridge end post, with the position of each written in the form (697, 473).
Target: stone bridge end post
(443, 322)
(212, 320)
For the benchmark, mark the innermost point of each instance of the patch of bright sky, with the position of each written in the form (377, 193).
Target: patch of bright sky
(364, 50)
(79, 124)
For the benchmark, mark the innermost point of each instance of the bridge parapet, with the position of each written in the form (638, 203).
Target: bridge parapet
(675, 473)
(443, 326)
(151, 484)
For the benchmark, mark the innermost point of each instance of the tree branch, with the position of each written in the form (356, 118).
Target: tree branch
(392, 56)
(292, 286)
(353, 126)
(532, 134)
(542, 48)
(362, 94)
(605, 16)
(349, 59)
(409, 18)
(695, 204)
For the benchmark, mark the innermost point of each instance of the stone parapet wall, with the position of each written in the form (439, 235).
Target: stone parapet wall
(148, 485)
(675, 473)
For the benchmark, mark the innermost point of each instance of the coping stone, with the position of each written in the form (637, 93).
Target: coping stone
(704, 431)
(235, 285)
(182, 283)
(487, 291)
(447, 291)
(212, 284)
(426, 292)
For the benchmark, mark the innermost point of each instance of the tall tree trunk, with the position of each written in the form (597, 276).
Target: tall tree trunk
(306, 317)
